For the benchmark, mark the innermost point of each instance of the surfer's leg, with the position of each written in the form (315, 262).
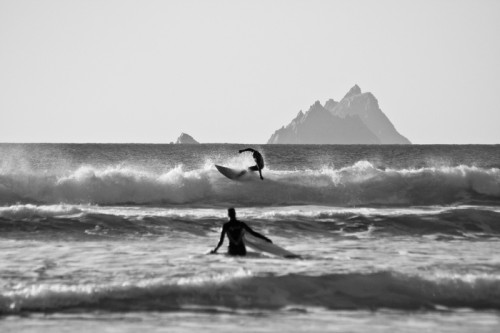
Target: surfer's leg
(256, 168)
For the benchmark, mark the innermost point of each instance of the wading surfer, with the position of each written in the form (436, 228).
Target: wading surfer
(259, 161)
(235, 230)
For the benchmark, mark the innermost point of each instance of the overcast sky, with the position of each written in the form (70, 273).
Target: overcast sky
(235, 71)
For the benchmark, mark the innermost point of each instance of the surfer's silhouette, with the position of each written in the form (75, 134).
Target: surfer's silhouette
(259, 161)
(235, 230)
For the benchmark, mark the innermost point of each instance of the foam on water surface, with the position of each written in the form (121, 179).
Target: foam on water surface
(400, 237)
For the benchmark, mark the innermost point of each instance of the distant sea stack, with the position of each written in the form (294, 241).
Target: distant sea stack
(186, 139)
(356, 119)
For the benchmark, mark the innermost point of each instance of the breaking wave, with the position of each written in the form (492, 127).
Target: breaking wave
(243, 290)
(360, 184)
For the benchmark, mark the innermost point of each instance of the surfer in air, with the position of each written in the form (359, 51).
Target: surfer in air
(259, 161)
(235, 229)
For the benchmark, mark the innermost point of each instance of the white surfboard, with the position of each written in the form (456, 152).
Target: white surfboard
(261, 245)
(233, 174)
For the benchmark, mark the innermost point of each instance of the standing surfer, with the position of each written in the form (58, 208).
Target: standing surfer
(235, 230)
(259, 161)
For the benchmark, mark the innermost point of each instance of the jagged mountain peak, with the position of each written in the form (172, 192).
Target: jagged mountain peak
(356, 119)
(316, 105)
(356, 90)
(299, 116)
(330, 104)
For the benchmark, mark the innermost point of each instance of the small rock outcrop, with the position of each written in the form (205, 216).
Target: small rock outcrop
(186, 139)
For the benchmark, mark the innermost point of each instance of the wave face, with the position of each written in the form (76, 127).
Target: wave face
(242, 290)
(359, 184)
(317, 175)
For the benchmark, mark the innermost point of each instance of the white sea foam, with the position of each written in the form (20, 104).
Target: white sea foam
(360, 184)
(21, 211)
(381, 289)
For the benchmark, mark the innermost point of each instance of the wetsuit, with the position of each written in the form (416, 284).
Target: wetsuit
(258, 160)
(235, 230)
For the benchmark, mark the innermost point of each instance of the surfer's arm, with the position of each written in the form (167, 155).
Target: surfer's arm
(256, 234)
(247, 149)
(221, 240)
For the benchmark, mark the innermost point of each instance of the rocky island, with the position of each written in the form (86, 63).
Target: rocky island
(356, 119)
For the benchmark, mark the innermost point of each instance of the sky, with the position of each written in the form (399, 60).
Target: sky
(121, 71)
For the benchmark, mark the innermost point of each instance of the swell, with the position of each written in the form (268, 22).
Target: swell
(83, 222)
(243, 291)
(361, 184)
(94, 222)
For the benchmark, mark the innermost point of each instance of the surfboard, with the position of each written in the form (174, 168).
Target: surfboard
(249, 254)
(261, 245)
(233, 174)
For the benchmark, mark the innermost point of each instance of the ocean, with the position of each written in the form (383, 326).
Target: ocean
(115, 238)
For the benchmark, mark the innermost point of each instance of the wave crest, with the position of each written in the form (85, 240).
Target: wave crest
(360, 184)
(243, 290)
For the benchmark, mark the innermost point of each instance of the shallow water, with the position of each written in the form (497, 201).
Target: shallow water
(314, 320)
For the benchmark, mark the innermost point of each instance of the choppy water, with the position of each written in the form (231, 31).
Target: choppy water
(115, 236)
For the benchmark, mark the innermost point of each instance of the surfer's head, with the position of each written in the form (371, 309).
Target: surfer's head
(231, 213)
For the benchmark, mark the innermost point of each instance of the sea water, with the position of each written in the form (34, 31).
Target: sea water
(115, 238)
